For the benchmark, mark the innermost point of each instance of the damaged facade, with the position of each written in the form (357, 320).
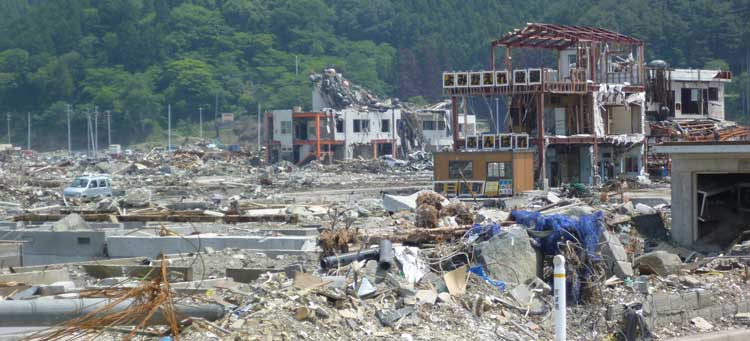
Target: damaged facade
(586, 115)
(347, 121)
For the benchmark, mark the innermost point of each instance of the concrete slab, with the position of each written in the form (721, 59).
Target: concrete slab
(134, 246)
(107, 271)
(37, 277)
(726, 335)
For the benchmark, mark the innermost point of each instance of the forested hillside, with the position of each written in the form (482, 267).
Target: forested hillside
(133, 57)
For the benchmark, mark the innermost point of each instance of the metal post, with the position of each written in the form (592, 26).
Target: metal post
(454, 121)
(28, 134)
(200, 120)
(169, 128)
(70, 150)
(497, 115)
(560, 308)
(393, 130)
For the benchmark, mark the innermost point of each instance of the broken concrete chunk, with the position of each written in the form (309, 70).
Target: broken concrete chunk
(427, 296)
(71, 222)
(389, 317)
(614, 255)
(138, 197)
(661, 263)
(509, 257)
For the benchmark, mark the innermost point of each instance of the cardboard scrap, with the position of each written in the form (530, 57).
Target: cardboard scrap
(456, 281)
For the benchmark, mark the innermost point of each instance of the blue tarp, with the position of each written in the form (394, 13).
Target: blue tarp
(479, 271)
(585, 229)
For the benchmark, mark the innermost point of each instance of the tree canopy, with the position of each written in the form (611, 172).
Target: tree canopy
(133, 57)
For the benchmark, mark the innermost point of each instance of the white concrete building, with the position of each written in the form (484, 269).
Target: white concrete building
(687, 93)
(336, 134)
(435, 125)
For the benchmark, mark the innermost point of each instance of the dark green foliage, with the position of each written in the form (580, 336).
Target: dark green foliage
(132, 57)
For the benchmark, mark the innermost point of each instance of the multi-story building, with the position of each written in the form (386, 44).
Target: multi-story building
(585, 112)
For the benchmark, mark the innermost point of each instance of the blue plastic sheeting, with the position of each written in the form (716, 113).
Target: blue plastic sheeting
(584, 230)
(479, 271)
(483, 233)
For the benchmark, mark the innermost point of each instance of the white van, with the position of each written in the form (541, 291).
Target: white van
(89, 186)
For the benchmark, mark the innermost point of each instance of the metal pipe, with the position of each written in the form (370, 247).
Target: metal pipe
(344, 259)
(560, 309)
(54, 312)
(385, 261)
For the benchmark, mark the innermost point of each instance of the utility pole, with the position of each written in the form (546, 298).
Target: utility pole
(70, 150)
(259, 130)
(200, 120)
(109, 127)
(96, 131)
(296, 65)
(169, 128)
(28, 134)
(7, 115)
(88, 132)
(216, 113)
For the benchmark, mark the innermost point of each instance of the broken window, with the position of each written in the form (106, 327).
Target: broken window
(361, 126)
(286, 127)
(428, 125)
(498, 170)
(631, 165)
(460, 169)
(102, 183)
(713, 94)
(385, 126)
(690, 99)
(339, 125)
(440, 125)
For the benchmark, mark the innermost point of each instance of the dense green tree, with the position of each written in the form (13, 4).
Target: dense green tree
(133, 57)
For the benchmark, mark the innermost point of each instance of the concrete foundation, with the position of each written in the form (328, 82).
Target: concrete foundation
(134, 246)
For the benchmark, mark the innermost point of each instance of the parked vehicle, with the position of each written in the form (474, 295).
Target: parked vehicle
(89, 186)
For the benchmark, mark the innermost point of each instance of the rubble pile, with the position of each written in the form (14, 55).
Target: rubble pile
(356, 249)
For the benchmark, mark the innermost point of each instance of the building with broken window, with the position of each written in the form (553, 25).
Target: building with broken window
(434, 122)
(582, 99)
(685, 93)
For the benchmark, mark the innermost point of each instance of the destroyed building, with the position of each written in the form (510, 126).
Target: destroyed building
(710, 192)
(435, 124)
(586, 113)
(345, 122)
(685, 93)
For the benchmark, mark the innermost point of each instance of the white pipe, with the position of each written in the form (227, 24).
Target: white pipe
(560, 312)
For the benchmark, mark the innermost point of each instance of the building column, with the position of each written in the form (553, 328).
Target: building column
(454, 121)
(541, 143)
(317, 136)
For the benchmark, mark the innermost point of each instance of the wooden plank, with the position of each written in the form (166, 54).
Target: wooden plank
(106, 271)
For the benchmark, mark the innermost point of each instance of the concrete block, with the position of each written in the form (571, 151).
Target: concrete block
(248, 275)
(514, 245)
(37, 277)
(107, 271)
(705, 298)
(690, 300)
(729, 309)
